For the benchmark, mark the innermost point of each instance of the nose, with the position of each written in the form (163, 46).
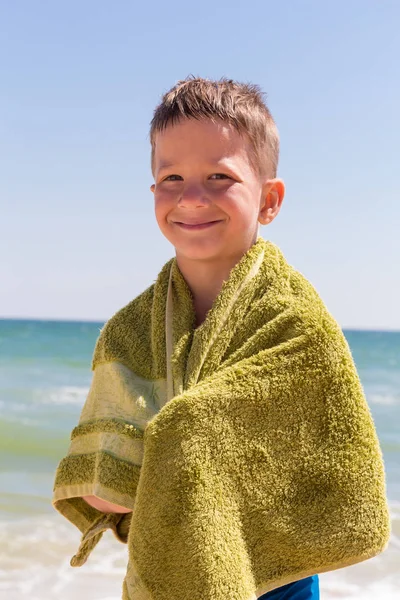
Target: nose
(193, 194)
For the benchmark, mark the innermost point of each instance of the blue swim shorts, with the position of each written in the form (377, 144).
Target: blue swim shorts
(305, 589)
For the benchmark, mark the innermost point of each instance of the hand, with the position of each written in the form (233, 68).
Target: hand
(104, 506)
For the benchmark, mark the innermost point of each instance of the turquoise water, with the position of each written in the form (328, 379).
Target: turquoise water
(44, 378)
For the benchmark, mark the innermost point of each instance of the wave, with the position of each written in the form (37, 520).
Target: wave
(64, 395)
(26, 400)
(34, 565)
(384, 399)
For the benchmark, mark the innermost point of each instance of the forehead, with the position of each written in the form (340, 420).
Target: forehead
(201, 140)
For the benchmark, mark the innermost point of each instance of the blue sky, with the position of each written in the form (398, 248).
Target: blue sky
(79, 84)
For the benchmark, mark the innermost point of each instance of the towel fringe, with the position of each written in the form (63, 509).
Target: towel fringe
(93, 535)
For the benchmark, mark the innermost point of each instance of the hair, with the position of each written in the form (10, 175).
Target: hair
(240, 104)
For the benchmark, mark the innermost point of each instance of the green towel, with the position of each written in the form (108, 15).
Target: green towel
(245, 446)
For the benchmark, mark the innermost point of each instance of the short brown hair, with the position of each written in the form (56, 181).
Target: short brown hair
(240, 104)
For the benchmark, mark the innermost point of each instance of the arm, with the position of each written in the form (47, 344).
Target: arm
(106, 507)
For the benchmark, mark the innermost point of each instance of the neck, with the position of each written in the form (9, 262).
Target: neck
(205, 279)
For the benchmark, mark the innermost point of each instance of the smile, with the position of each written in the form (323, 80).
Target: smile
(199, 226)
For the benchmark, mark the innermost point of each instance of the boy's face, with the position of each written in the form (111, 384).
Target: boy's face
(203, 173)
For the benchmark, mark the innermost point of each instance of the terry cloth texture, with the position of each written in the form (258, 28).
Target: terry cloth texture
(245, 446)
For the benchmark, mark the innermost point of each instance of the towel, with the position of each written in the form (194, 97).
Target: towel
(245, 446)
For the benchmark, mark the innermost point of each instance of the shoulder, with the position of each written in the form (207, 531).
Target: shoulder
(126, 332)
(299, 298)
(324, 332)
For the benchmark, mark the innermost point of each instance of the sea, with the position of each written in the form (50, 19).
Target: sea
(44, 379)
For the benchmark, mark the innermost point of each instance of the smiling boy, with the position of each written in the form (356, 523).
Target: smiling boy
(204, 173)
(214, 161)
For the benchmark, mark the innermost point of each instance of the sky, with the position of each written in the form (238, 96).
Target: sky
(79, 84)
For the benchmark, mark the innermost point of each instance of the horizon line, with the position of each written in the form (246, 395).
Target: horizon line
(103, 321)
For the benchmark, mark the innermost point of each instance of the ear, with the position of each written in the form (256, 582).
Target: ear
(152, 188)
(272, 198)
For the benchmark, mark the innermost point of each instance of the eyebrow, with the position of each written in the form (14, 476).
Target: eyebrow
(165, 165)
(215, 163)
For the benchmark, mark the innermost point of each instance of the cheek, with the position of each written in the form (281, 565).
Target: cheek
(162, 201)
(165, 193)
(241, 207)
(233, 200)
(228, 197)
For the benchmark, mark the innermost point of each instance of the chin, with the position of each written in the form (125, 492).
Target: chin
(200, 249)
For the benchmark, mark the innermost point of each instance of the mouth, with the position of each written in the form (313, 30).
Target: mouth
(196, 225)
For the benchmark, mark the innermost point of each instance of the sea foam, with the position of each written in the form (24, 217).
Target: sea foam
(35, 554)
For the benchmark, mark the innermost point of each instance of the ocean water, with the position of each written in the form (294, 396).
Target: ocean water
(44, 378)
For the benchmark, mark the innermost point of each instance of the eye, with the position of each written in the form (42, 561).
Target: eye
(166, 179)
(220, 175)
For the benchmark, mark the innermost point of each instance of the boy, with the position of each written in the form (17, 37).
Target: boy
(214, 160)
